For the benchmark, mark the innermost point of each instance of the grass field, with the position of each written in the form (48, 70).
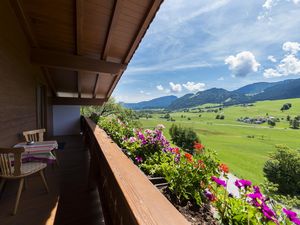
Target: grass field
(229, 138)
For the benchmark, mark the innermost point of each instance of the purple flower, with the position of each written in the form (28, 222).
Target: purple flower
(209, 195)
(242, 183)
(177, 158)
(292, 216)
(132, 139)
(257, 197)
(139, 159)
(269, 214)
(219, 181)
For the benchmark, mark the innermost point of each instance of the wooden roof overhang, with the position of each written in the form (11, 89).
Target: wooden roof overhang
(83, 46)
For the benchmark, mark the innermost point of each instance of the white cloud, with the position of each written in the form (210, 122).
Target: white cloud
(268, 4)
(272, 58)
(289, 65)
(242, 64)
(142, 92)
(160, 87)
(292, 47)
(175, 87)
(193, 87)
(269, 73)
(296, 1)
(221, 78)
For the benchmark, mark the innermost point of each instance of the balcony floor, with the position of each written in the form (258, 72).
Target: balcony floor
(70, 201)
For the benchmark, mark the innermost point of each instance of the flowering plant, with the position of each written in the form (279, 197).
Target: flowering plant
(251, 207)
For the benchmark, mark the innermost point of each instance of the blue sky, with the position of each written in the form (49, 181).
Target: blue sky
(196, 45)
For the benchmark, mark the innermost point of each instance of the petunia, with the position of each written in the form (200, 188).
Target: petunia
(132, 139)
(243, 183)
(210, 196)
(269, 214)
(219, 181)
(292, 216)
(139, 159)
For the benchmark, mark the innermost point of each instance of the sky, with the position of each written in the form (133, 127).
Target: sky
(195, 45)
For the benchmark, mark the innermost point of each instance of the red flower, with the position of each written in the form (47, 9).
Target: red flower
(198, 146)
(189, 157)
(201, 164)
(224, 168)
(176, 151)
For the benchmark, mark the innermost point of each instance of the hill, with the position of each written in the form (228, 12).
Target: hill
(247, 94)
(157, 103)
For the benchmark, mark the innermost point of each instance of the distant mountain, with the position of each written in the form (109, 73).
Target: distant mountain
(213, 95)
(256, 88)
(247, 94)
(157, 103)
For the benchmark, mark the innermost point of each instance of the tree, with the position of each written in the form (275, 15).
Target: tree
(272, 123)
(288, 118)
(218, 117)
(183, 137)
(294, 123)
(286, 106)
(283, 168)
(222, 117)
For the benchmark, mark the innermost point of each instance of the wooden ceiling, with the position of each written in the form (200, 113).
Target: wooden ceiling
(84, 46)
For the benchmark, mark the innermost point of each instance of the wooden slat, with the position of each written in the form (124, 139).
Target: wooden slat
(79, 83)
(73, 62)
(78, 101)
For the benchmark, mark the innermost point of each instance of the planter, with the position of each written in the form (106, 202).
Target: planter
(159, 182)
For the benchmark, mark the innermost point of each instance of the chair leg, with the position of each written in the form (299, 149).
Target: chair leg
(2, 185)
(25, 183)
(18, 195)
(44, 180)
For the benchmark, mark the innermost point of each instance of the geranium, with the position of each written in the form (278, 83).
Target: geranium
(198, 146)
(224, 168)
(243, 183)
(189, 157)
(176, 150)
(219, 181)
(201, 164)
(292, 216)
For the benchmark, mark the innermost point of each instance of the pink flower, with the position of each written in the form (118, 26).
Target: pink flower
(242, 183)
(292, 216)
(219, 181)
(139, 159)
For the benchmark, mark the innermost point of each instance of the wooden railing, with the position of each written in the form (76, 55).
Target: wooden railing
(127, 196)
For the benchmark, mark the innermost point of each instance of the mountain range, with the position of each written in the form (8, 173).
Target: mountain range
(246, 94)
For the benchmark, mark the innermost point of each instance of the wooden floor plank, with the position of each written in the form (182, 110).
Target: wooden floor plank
(70, 201)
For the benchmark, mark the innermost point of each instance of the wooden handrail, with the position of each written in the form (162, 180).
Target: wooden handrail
(127, 196)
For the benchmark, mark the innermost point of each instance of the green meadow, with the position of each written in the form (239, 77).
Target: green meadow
(243, 147)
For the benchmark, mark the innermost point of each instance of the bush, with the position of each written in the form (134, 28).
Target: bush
(294, 123)
(183, 137)
(218, 117)
(272, 123)
(222, 117)
(189, 118)
(286, 106)
(283, 168)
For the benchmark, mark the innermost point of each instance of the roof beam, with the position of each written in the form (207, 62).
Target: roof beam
(79, 29)
(113, 22)
(23, 20)
(73, 62)
(149, 16)
(79, 25)
(77, 101)
(96, 86)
